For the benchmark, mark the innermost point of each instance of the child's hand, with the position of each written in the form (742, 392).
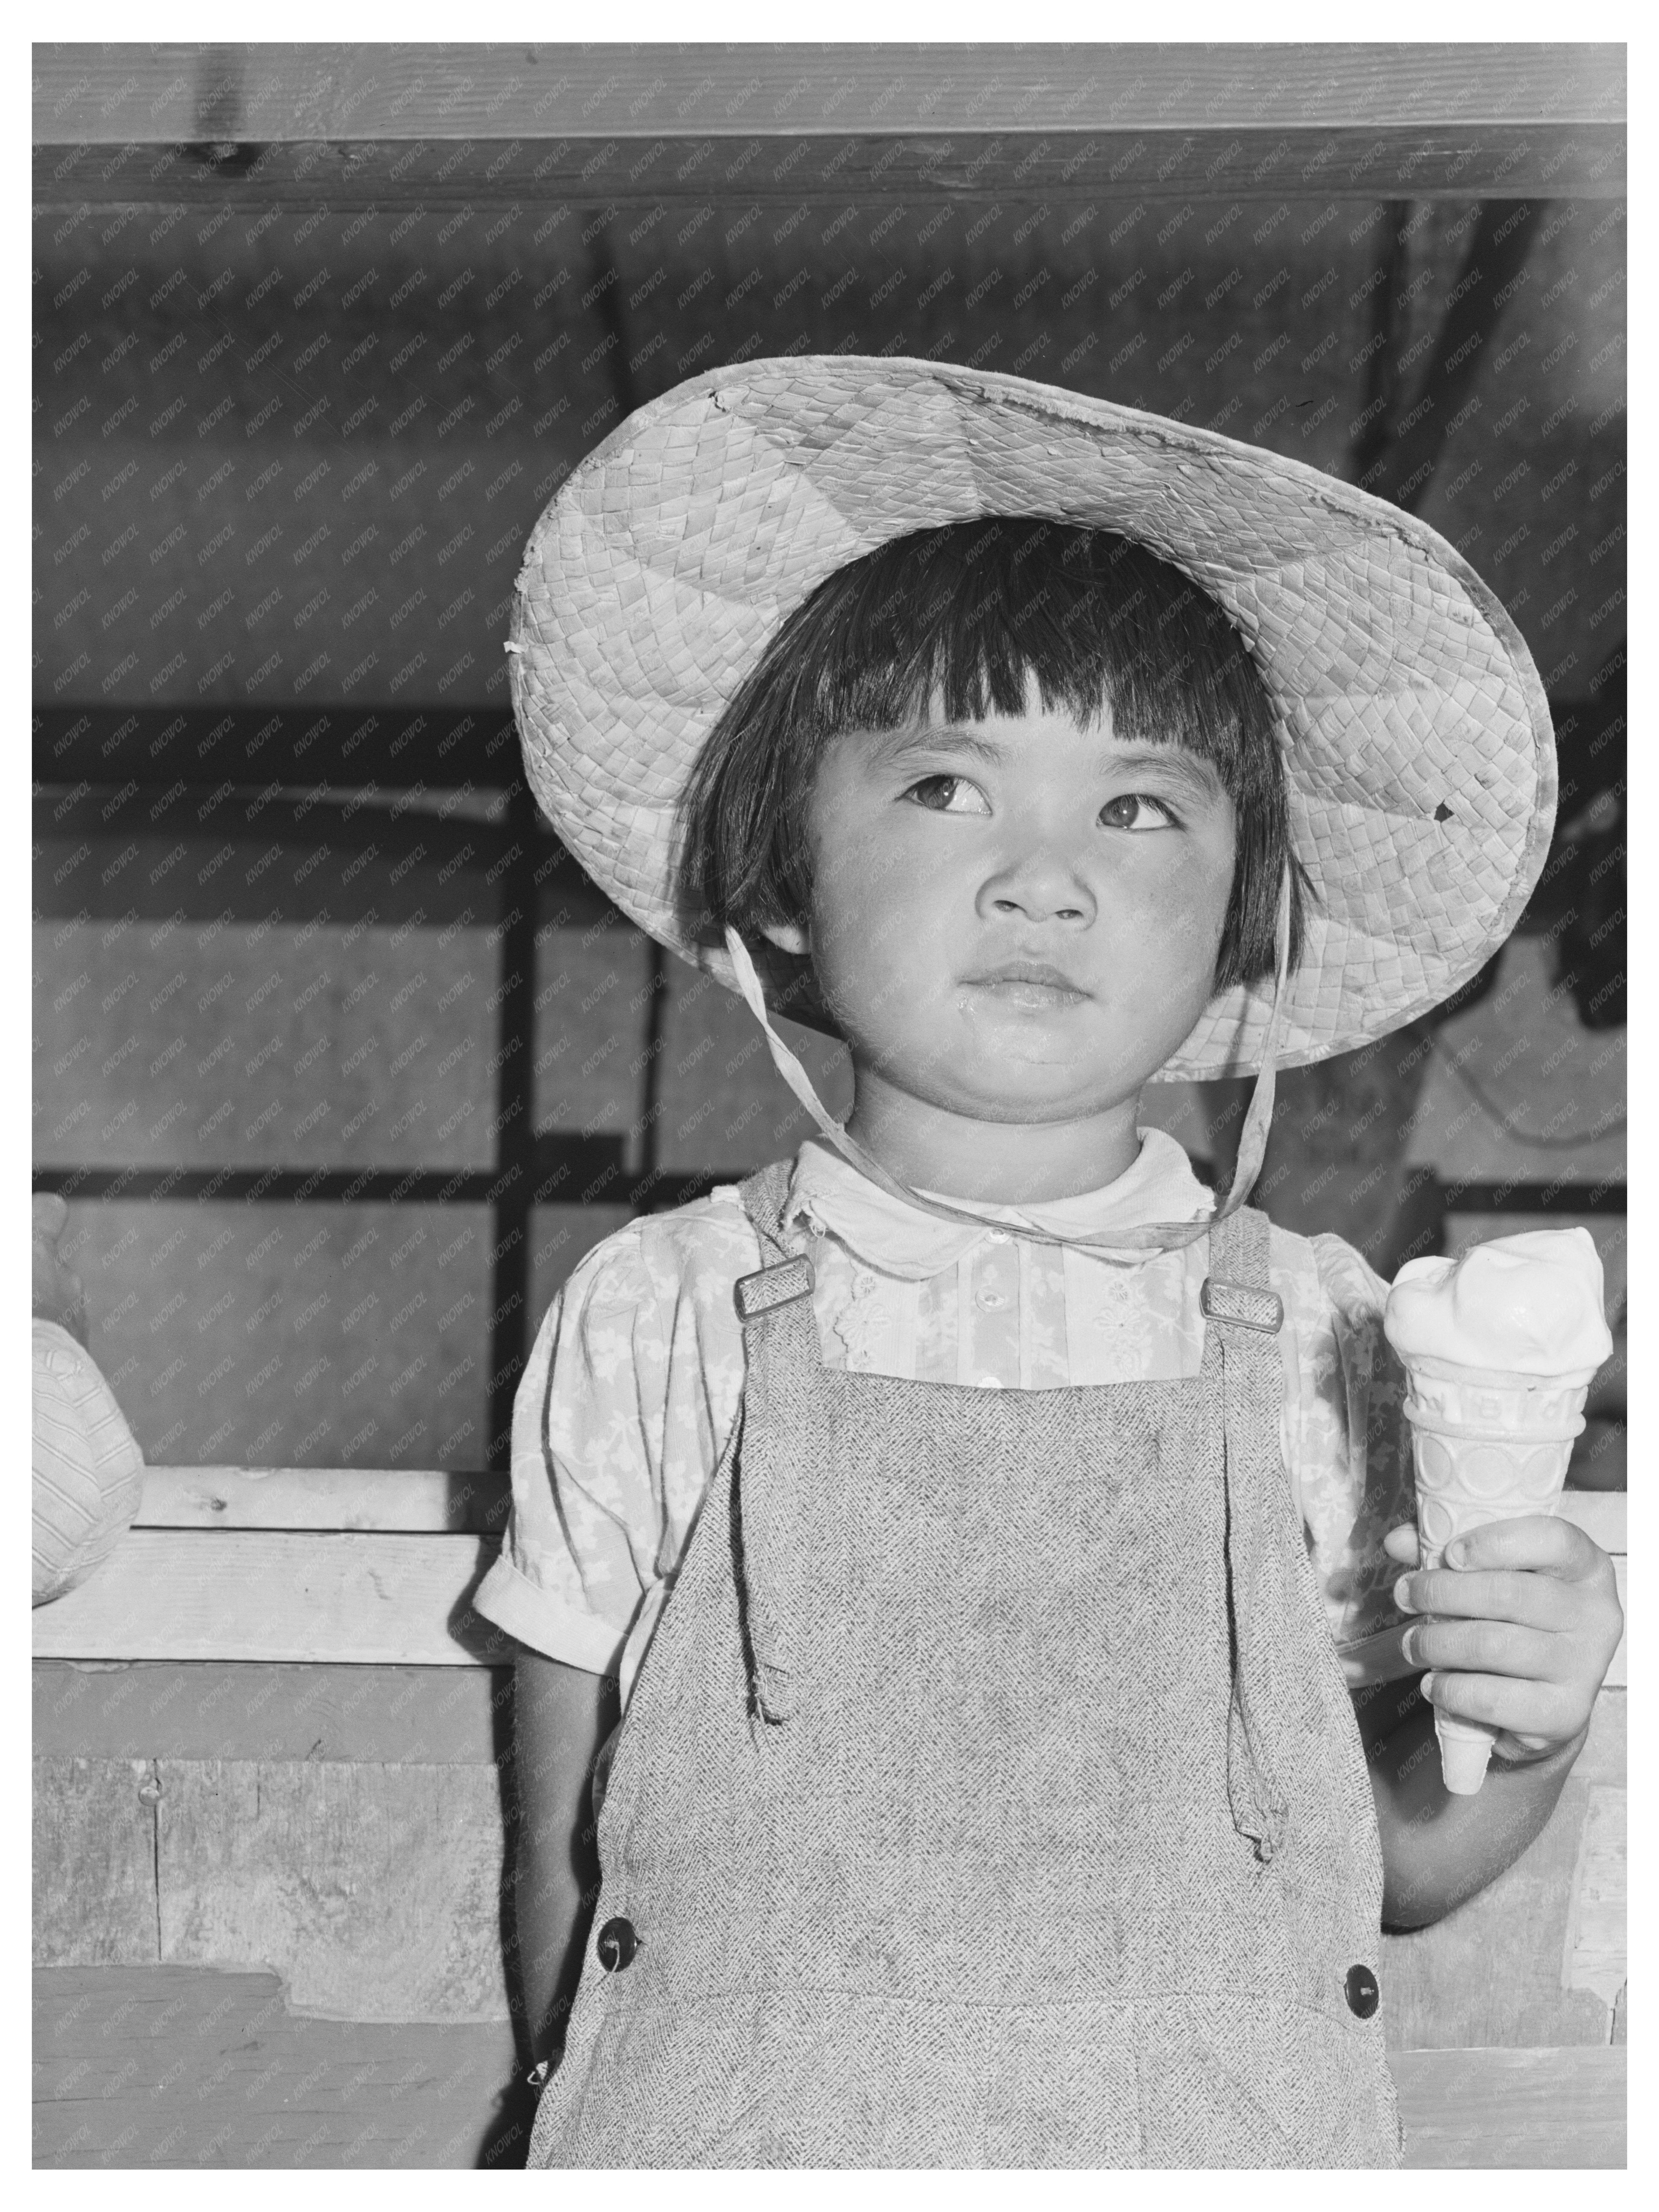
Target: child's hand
(1524, 1623)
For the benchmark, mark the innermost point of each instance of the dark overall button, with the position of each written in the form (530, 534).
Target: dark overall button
(1361, 1986)
(618, 1944)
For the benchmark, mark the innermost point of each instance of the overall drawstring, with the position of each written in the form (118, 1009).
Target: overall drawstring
(759, 1542)
(1246, 1316)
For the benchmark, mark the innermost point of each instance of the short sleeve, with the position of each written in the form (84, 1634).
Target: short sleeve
(584, 1534)
(630, 1395)
(1350, 1447)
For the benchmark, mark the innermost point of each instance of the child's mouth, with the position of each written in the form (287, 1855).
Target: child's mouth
(1032, 984)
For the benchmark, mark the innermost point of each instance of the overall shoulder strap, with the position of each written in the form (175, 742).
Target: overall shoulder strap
(764, 1194)
(1239, 1290)
(785, 1275)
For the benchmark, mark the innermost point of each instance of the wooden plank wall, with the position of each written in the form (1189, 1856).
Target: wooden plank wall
(343, 1822)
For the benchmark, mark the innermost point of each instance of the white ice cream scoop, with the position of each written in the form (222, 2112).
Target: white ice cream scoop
(1530, 1305)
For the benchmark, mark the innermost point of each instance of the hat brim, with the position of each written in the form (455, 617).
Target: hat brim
(1420, 757)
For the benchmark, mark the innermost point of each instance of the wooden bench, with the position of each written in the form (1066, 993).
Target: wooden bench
(272, 1819)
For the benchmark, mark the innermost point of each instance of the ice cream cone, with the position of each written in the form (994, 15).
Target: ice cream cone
(1492, 1432)
(1488, 1446)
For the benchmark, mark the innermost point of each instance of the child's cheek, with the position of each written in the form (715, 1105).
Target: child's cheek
(869, 888)
(1191, 903)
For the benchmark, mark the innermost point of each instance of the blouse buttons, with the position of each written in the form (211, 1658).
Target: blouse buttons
(992, 1301)
(997, 1237)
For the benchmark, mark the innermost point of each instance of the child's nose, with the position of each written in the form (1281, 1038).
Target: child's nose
(1042, 884)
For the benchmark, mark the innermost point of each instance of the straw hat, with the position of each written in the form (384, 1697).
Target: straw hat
(1417, 744)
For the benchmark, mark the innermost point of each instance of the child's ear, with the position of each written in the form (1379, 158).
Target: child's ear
(789, 937)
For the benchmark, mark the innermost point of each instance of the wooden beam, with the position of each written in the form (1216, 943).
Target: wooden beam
(404, 1501)
(430, 1501)
(359, 1589)
(1483, 161)
(349, 93)
(353, 746)
(349, 124)
(148, 1709)
(569, 1170)
(258, 1594)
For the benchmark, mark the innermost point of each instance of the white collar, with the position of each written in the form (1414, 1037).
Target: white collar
(828, 1192)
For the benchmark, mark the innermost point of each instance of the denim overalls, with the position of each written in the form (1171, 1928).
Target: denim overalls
(990, 1794)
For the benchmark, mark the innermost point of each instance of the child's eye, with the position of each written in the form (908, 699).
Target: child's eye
(1137, 810)
(949, 794)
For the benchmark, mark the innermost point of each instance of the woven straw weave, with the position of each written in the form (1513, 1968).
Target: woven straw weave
(1419, 744)
(88, 1473)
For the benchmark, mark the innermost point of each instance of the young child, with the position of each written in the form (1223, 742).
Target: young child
(970, 1511)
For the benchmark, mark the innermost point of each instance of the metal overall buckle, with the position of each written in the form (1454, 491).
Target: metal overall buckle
(1241, 1305)
(772, 1287)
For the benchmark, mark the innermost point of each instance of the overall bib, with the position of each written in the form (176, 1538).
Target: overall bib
(990, 1794)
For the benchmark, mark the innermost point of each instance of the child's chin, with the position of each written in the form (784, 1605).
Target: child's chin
(1039, 1091)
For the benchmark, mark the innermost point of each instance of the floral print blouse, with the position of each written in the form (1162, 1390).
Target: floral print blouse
(636, 1375)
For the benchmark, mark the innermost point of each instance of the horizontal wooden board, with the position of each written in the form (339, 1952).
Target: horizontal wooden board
(1512, 2108)
(629, 126)
(407, 1500)
(267, 1589)
(163, 95)
(1245, 162)
(187, 2067)
(231, 1709)
(195, 2067)
(375, 1892)
(258, 1594)
(423, 1500)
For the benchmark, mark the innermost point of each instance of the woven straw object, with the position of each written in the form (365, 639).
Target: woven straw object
(88, 1472)
(1418, 740)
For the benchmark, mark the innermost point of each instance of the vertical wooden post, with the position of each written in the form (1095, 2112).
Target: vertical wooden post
(511, 1193)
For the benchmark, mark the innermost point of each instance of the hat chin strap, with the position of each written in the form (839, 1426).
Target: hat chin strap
(1128, 1244)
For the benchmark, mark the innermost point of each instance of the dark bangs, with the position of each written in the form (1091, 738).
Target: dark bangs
(964, 615)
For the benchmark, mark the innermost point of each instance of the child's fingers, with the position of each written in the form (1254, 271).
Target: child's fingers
(1537, 1542)
(1535, 1600)
(1547, 1710)
(1484, 1647)
(1401, 1544)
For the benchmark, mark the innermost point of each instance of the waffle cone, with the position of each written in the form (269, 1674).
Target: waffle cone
(1465, 1749)
(1492, 1401)
(1488, 1447)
